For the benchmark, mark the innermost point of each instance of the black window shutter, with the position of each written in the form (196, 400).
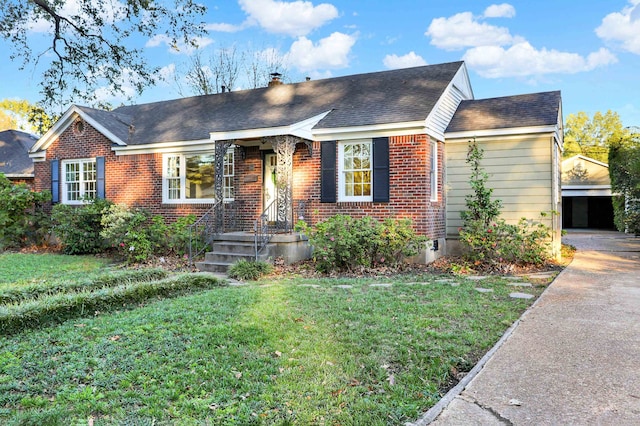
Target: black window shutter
(328, 172)
(100, 188)
(55, 181)
(381, 170)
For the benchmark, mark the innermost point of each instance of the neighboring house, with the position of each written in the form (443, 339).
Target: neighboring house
(369, 144)
(586, 194)
(15, 162)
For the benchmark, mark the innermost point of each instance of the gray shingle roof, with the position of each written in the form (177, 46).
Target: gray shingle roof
(530, 110)
(14, 152)
(116, 123)
(395, 96)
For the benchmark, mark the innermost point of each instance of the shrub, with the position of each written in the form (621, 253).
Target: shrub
(344, 243)
(524, 243)
(397, 241)
(172, 238)
(123, 229)
(79, 227)
(22, 219)
(249, 270)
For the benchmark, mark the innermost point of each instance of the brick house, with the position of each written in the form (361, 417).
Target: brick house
(369, 144)
(15, 163)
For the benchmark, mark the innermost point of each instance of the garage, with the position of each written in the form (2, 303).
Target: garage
(586, 194)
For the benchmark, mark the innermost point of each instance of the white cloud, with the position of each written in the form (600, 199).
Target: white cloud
(330, 52)
(167, 73)
(227, 28)
(623, 28)
(504, 10)
(297, 18)
(493, 52)
(405, 61)
(463, 30)
(112, 12)
(522, 59)
(127, 88)
(181, 47)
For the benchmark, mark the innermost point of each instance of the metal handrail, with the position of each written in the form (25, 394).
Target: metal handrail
(203, 231)
(263, 230)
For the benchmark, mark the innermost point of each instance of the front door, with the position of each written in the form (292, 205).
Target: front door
(270, 188)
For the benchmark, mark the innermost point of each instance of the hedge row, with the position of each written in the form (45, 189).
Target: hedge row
(63, 306)
(24, 292)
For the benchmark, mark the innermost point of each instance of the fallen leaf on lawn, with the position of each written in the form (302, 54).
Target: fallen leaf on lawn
(114, 338)
(238, 374)
(392, 380)
(213, 407)
(299, 319)
(278, 354)
(355, 382)
(337, 392)
(79, 325)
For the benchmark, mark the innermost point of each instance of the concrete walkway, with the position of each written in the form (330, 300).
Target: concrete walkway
(574, 358)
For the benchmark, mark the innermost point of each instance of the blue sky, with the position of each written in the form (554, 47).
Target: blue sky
(588, 50)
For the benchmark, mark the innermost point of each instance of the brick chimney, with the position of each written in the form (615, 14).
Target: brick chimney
(275, 79)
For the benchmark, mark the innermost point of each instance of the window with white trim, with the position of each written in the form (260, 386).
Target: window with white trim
(355, 171)
(190, 178)
(79, 180)
(434, 171)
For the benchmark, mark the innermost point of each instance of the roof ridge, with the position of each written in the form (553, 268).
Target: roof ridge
(296, 84)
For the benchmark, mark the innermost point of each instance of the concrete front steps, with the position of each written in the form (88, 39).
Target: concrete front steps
(231, 247)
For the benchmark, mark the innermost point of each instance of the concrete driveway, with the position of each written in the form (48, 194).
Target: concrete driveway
(574, 359)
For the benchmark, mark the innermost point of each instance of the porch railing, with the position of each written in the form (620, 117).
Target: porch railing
(204, 230)
(265, 227)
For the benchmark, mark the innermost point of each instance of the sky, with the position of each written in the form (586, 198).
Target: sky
(590, 51)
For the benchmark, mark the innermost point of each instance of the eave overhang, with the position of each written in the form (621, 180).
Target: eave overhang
(302, 129)
(511, 131)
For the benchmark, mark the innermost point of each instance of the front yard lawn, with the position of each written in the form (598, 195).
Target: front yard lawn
(357, 351)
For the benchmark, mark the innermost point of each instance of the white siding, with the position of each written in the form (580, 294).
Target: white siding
(458, 90)
(441, 115)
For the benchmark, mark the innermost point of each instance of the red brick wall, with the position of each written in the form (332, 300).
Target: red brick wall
(410, 192)
(136, 180)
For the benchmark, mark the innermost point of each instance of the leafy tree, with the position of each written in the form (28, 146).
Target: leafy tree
(23, 220)
(22, 115)
(92, 43)
(7, 122)
(592, 137)
(624, 169)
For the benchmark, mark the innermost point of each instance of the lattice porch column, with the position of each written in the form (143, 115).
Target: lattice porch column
(284, 147)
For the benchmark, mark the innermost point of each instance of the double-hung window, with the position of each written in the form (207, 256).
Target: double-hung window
(190, 178)
(355, 171)
(79, 180)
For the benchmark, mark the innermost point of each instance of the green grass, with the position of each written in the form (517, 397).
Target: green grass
(35, 268)
(285, 351)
